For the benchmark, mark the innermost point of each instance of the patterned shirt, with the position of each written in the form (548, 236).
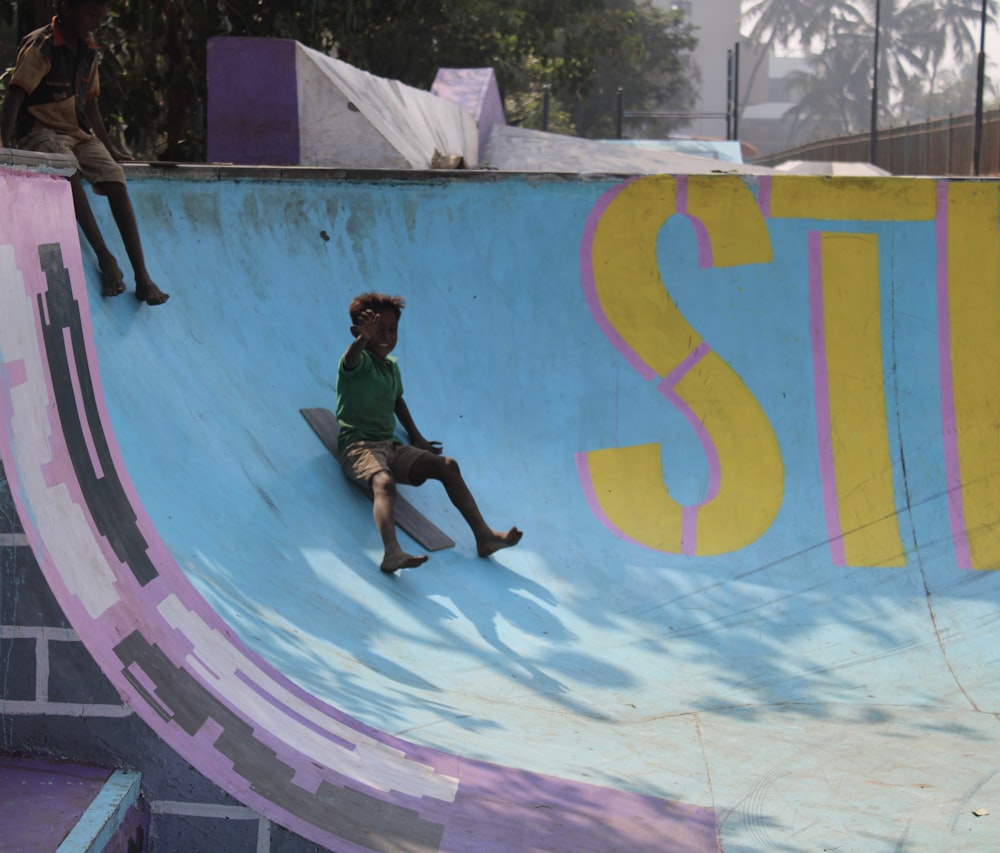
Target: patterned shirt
(59, 82)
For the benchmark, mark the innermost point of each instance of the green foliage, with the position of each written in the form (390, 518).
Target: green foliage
(576, 51)
(927, 55)
(653, 68)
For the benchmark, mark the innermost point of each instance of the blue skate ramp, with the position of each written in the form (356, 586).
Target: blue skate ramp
(747, 423)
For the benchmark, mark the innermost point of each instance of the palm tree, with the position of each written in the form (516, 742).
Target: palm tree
(835, 93)
(917, 40)
(803, 24)
(957, 43)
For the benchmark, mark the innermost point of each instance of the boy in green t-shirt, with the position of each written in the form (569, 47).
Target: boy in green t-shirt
(369, 400)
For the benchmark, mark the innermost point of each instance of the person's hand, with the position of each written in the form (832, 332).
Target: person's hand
(368, 324)
(120, 156)
(422, 443)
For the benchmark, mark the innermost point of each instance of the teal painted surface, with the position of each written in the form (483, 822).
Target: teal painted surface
(811, 704)
(99, 823)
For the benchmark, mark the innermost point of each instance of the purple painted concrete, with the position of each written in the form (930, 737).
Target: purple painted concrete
(41, 801)
(475, 90)
(253, 114)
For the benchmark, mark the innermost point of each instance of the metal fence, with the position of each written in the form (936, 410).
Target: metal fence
(935, 147)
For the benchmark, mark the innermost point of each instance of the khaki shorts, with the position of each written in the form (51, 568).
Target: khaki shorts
(362, 460)
(95, 161)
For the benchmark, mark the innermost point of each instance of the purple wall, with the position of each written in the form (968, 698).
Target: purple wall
(253, 116)
(475, 90)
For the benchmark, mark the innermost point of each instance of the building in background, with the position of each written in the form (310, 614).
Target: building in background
(766, 93)
(766, 99)
(718, 23)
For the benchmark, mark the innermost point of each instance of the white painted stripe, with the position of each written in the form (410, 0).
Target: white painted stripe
(99, 823)
(174, 807)
(41, 670)
(264, 836)
(62, 709)
(13, 540)
(213, 810)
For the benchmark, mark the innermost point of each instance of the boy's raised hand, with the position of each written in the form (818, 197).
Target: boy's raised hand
(368, 323)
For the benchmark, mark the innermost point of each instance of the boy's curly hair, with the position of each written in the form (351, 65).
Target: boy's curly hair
(377, 302)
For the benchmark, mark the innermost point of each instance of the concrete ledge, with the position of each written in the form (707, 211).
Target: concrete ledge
(64, 165)
(99, 824)
(35, 161)
(232, 172)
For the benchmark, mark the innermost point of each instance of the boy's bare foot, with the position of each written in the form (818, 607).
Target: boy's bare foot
(401, 560)
(112, 280)
(497, 540)
(150, 293)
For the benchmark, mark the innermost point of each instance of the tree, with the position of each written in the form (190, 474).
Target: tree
(806, 25)
(572, 50)
(918, 39)
(653, 67)
(835, 95)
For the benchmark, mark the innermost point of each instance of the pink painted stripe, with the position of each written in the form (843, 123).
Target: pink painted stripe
(707, 445)
(682, 195)
(15, 372)
(587, 484)
(682, 369)
(590, 282)
(821, 390)
(705, 258)
(74, 378)
(764, 196)
(689, 530)
(689, 513)
(949, 419)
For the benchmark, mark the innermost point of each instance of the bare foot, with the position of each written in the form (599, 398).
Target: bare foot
(150, 294)
(112, 280)
(497, 540)
(401, 560)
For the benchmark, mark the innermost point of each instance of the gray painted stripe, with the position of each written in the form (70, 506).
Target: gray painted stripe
(62, 709)
(36, 632)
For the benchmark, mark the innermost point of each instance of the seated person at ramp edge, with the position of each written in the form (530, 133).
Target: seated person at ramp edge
(369, 399)
(52, 107)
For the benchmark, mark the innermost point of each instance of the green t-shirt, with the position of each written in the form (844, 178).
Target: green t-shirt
(366, 400)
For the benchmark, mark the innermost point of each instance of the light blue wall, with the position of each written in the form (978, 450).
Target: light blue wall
(802, 701)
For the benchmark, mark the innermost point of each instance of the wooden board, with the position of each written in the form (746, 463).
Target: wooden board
(410, 519)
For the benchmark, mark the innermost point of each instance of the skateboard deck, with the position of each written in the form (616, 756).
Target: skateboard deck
(408, 517)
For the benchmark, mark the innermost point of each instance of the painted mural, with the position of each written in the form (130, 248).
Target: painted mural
(844, 232)
(709, 395)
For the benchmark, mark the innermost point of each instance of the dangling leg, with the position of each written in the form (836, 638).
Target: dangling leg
(112, 281)
(383, 509)
(121, 208)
